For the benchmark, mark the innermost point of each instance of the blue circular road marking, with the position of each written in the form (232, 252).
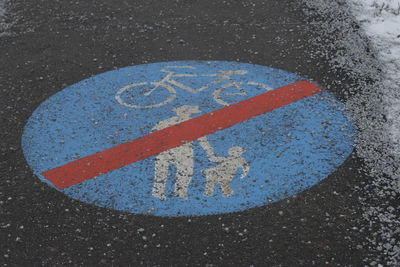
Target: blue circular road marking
(278, 154)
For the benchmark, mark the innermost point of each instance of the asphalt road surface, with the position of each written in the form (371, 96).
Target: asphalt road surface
(59, 43)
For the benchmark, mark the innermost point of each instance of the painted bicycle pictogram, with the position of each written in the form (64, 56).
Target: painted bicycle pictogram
(170, 84)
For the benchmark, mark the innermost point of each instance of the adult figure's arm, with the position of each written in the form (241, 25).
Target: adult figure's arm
(246, 169)
(208, 148)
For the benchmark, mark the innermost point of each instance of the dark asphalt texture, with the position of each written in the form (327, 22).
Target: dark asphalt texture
(59, 43)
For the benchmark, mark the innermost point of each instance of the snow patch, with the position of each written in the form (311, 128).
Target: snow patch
(371, 57)
(380, 19)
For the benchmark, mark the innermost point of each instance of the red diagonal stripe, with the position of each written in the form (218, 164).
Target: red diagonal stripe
(154, 143)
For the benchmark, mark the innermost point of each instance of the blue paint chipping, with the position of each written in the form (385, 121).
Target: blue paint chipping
(288, 149)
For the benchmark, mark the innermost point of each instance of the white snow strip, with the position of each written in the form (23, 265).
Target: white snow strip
(380, 19)
(374, 104)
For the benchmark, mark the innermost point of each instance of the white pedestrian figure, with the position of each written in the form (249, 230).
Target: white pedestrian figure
(181, 157)
(225, 170)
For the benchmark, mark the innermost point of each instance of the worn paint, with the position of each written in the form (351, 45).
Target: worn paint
(277, 153)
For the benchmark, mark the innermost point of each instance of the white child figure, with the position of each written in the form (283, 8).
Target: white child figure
(225, 170)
